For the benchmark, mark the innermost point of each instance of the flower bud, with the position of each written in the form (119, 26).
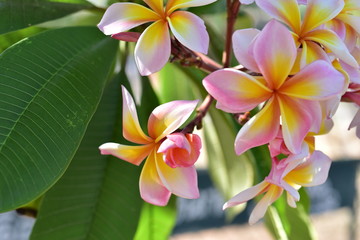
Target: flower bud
(180, 150)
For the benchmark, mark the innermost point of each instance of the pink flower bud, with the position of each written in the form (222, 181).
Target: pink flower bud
(180, 150)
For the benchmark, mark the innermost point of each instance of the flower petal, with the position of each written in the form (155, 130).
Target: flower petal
(275, 53)
(120, 17)
(190, 30)
(181, 181)
(286, 11)
(151, 188)
(260, 129)
(297, 120)
(319, 12)
(156, 5)
(312, 84)
(172, 5)
(332, 41)
(153, 48)
(175, 140)
(274, 192)
(291, 189)
(354, 73)
(131, 127)
(132, 154)
(352, 20)
(246, 195)
(243, 41)
(314, 171)
(312, 52)
(236, 91)
(351, 5)
(290, 200)
(168, 117)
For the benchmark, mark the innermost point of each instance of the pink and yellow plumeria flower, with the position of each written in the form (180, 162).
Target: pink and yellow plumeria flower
(295, 99)
(285, 175)
(159, 179)
(154, 46)
(308, 31)
(350, 15)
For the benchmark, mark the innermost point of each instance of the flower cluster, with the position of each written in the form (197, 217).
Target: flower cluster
(295, 70)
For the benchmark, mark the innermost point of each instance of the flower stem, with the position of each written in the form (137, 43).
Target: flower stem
(201, 112)
(232, 12)
(189, 58)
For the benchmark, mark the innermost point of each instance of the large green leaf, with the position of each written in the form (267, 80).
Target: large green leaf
(98, 196)
(50, 86)
(156, 222)
(17, 14)
(230, 173)
(8, 39)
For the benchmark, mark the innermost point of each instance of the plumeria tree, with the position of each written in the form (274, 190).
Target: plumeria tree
(106, 106)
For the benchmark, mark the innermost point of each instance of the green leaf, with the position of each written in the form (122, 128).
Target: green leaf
(98, 196)
(156, 222)
(174, 84)
(17, 14)
(8, 39)
(231, 173)
(50, 87)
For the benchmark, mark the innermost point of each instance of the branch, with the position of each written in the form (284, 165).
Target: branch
(201, 112)
(189, 58)
(232, 12)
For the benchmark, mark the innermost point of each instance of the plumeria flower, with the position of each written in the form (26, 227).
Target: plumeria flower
(350, 14)
(297, 173)
(294, 99)
(308, 31)
(170, 157)
(153, 48)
